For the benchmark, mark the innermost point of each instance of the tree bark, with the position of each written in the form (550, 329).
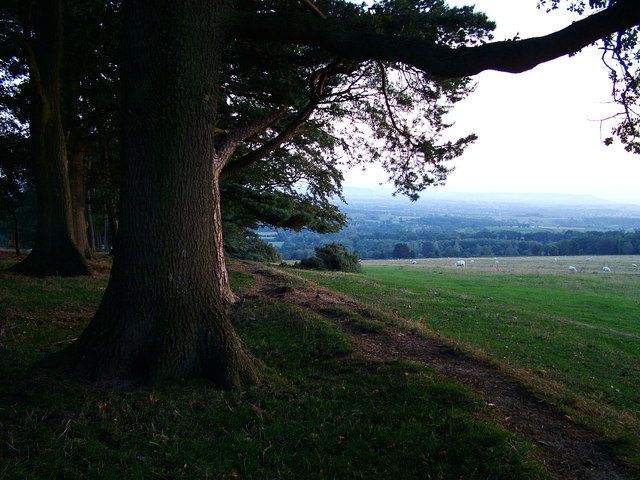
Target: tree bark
(78, 201)
(54, 252)
(222, 285)
(163, 315)
(91, 234)
(111, 225)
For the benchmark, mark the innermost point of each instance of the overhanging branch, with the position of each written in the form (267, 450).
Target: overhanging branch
(285, 135)
(438, 60)
(317, 91)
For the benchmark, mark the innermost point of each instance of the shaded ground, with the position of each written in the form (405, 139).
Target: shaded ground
(323, 411)
(568, 449)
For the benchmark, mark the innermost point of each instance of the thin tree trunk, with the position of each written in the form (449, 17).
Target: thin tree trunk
(110, 207)
(54, 252)
(16, 235)
(112, 223)
(91, 235)
(163, 315)
(222, 285)
(76, 184)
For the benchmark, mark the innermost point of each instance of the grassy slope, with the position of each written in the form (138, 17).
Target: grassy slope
(579, 331)
(321, 414)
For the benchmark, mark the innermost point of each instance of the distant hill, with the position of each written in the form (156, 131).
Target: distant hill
(386, 193)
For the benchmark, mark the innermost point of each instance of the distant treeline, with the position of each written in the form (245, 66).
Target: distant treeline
(477, 244)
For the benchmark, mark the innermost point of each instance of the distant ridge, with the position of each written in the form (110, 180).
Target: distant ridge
(385, 193)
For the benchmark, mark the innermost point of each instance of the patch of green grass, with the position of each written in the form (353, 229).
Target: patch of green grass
(579, 331)
(363, 321)
(321, 413)
(240, 281)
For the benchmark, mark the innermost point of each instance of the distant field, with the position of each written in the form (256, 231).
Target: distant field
(577, 333)
(584, 264)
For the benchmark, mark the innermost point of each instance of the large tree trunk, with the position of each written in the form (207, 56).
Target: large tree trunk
(78, 201)
(54, 252)
(163, 315)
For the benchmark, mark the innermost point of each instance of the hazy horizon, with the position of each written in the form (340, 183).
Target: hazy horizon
(386, 191)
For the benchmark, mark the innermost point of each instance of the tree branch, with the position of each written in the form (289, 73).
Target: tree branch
(34, 70)
(318, 83)
(438, 60)
(285, 135)
(228, 143)
(312, 6)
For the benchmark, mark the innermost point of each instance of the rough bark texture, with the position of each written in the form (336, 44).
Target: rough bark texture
(222, 285)
(54, 252)
(163, 315)
(91, 234)
(78, 201)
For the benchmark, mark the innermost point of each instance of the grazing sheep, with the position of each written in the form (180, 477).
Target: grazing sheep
(606, 269)
(460, 263)
(413, 262)
(573, 269)
(634, 265)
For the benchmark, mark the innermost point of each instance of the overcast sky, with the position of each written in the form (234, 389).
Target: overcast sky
(539, 131)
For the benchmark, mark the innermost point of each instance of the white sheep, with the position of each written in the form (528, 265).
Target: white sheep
(634, 265)
(413, 262)
(572, 268)
(606, 269)
(460, 263)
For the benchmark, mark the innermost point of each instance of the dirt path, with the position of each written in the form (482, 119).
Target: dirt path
(568, 449)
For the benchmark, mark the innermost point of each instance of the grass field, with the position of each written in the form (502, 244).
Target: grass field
(574, 337)
(321, 412)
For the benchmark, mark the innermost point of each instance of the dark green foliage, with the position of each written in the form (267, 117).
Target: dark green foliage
(16, 189)
(244, 206)
(246, 245)
(402, 250)
(332, 256)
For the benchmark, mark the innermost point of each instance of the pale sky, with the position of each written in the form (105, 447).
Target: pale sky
(538, 131)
